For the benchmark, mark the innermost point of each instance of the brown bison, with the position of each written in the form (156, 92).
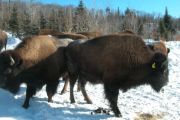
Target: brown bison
(119, 62)
(3, 40)
(36, 61)
(90, 35)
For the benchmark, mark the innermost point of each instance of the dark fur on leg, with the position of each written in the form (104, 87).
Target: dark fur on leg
(30, 91)
(82, 86)
(73, 79)
(51, 90)
(111, 94)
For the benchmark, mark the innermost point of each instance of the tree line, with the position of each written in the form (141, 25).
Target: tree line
(25, 18)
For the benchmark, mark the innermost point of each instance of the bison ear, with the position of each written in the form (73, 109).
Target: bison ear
(168, 50)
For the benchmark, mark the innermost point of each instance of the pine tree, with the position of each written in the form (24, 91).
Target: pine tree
(81, 22)
(52, 24)
(162, 28)
(13, 22)
(34, 29)
(165, 26)
(43, 21)
(167, 21)
(26, 26)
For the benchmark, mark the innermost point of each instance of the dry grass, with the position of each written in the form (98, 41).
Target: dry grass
(147, 116)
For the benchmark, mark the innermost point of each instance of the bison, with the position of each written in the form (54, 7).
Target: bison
(90, 35)
(118, 62)
(36, 61)
(3, 40)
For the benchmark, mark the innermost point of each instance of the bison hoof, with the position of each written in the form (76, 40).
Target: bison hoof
(72, 101)
(50, 100)
(62, 92)
(118, 115)
(78, 90)
(89, 102)
(25, 106)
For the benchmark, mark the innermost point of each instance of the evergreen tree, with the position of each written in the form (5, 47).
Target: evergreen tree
(52, 21)
(165, 26)
(81, 22)
(26, 26)
(162, 29)
(43, 21)
(34, 29)
(13, 22)
(167, 21)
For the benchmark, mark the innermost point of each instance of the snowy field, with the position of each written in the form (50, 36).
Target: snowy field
(132, 104)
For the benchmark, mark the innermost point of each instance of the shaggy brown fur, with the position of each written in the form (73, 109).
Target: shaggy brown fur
(3, 40)
(119, 62)
(36, 61)
(90, 35)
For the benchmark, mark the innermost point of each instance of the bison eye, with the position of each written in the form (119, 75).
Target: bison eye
(8, 71)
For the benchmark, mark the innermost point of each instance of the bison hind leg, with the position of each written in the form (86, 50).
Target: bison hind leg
(81, 84)
(65, 86)
(72, 80)
(111, 93)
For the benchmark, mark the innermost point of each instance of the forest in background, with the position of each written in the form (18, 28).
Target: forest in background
(24, 18)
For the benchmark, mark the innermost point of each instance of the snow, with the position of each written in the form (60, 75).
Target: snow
(142, 100)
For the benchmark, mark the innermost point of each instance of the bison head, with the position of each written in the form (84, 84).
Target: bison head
(160, 72)
(9, 65)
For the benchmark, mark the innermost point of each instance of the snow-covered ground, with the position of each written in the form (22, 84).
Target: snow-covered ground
(140, 101)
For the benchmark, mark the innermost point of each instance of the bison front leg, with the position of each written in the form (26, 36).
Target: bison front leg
(111, 94)
(66, 79)
(51, 89)
(78, 86)
(30, 91)
(82, 86)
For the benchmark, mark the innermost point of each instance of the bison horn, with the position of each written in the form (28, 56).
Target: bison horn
(12, 60)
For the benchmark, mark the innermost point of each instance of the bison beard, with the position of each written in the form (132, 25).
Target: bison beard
(119, 62)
